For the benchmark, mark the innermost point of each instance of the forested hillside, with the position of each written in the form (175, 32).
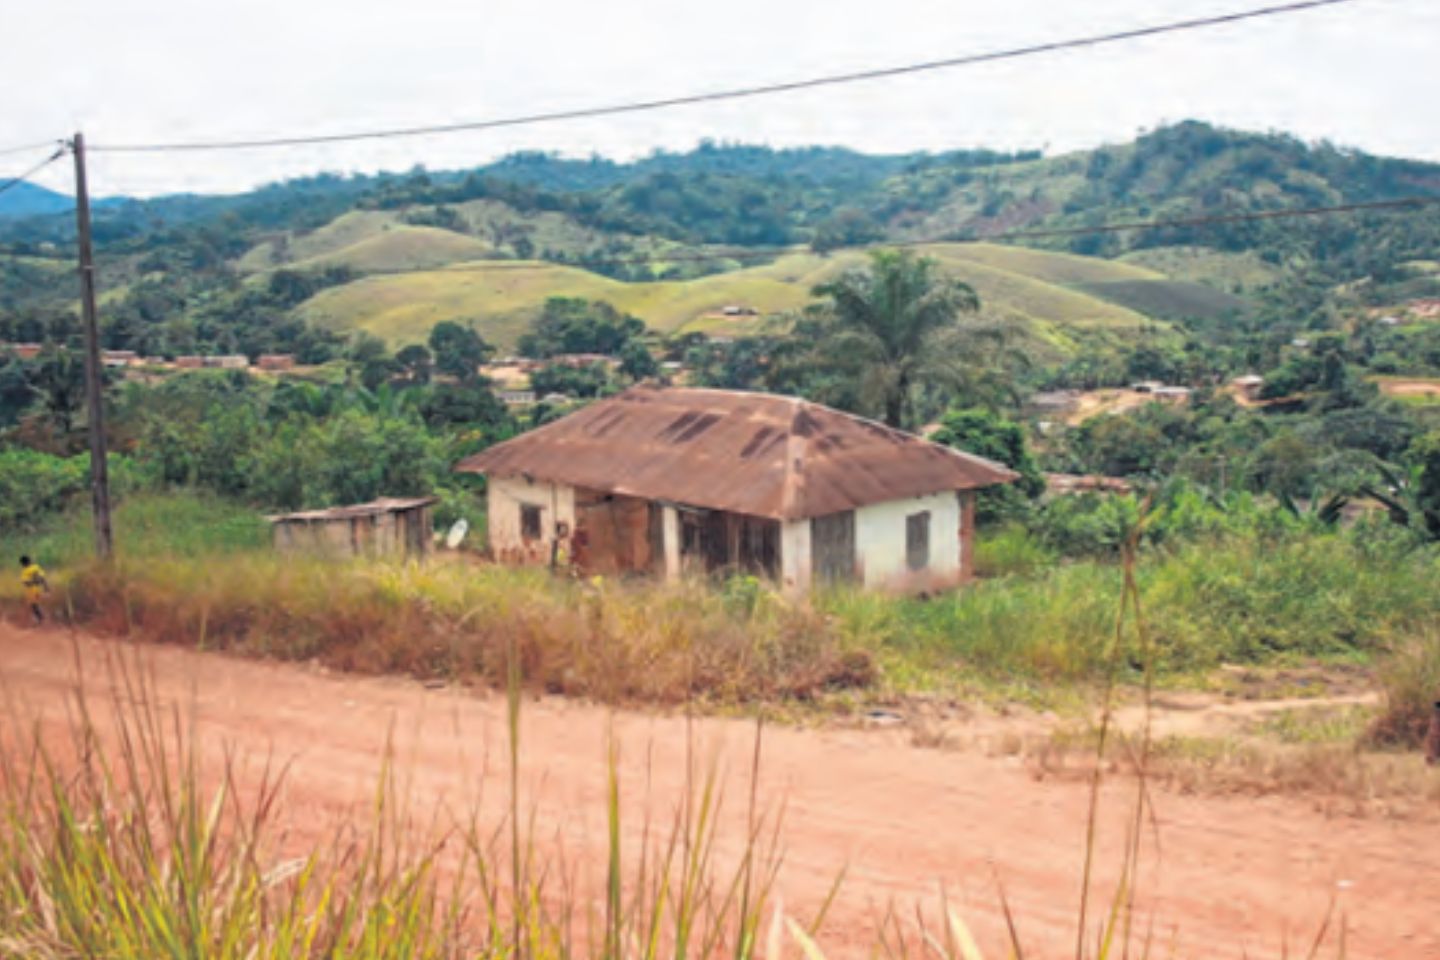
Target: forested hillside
(194, 273)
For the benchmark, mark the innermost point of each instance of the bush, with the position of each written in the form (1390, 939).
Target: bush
(1011, 551)
(34, 485)
(1410, 678)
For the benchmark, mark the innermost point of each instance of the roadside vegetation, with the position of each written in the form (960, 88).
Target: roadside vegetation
(1219, 587)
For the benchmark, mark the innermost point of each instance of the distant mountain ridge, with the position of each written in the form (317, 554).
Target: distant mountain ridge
(31, 200)
(391, 253)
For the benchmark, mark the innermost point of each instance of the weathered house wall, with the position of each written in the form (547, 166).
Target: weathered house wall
(615, 534)
(881, 543)
(795, 576)
(508, 498)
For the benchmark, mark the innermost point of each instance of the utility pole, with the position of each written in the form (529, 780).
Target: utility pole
(94, 371)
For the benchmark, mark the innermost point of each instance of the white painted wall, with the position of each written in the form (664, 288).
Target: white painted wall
(880, 543)
(670, 540)
(795, 574)
(505, 497)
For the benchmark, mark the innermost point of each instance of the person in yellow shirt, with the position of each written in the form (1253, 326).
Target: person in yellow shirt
(32, 578)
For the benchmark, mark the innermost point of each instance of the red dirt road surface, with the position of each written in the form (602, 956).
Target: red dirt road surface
(1230, 877)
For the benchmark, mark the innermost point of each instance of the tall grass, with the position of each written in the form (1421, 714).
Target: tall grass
(181, 525)
(1231, 600)
(1410, 680)
(121, 842)
(196, 571)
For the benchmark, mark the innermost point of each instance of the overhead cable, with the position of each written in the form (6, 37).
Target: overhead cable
(737, 93)
(16, 181)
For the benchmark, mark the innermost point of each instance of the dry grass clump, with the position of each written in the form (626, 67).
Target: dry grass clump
(610, 641)
(1410, 681)
(1339, 777)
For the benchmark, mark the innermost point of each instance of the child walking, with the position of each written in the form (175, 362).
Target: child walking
(32, 578)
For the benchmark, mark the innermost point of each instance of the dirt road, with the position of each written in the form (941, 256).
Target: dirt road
(1231, 878)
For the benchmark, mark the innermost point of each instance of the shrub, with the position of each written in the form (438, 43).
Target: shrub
(1410, 678)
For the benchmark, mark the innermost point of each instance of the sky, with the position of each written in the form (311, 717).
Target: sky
(1365, 75)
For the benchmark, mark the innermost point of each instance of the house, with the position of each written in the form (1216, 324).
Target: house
(384, 527)
(25, 351)
(119, 358)
(1249, 386)
(1066, 484)
(516, 398)
(229, 361)
(1060, 402)
(276, 361)
(1176, 395)
(189, 363)
(663, 480)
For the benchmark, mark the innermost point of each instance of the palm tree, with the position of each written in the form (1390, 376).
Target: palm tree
(898, 322)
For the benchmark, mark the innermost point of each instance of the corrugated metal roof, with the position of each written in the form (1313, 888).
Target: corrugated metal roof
(373, 508)
(753, 453)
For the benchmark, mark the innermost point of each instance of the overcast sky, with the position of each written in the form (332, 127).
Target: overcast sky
(1365, 75)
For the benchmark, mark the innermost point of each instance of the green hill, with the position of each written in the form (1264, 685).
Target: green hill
(501, 296)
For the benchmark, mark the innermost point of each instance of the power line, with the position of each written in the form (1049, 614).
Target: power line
(16, 181)
(766, 253)
(735, 93)
(27, 147)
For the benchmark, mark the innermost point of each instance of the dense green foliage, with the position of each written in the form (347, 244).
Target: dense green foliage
(569, 325)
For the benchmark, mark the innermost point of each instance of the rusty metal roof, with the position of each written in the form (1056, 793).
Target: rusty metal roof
(354, 511)
(752, 453)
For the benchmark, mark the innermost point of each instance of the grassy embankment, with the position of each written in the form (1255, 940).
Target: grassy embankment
(199, 572)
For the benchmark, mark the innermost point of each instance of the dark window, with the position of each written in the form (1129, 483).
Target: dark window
(832, 548)
(917, 540)
(529, 522)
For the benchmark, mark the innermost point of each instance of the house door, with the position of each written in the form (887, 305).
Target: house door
(832, 548)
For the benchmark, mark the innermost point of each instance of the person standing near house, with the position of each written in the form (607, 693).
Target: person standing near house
(32, 578)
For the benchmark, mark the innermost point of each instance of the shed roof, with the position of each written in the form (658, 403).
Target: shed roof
(752, 453)
(354, 511)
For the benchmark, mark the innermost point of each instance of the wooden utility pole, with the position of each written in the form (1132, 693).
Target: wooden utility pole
(94, 370)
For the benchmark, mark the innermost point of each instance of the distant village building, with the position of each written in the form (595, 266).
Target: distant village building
(25, 351)
(578, 360)
(662, 480)
(516, 398)
(276, 361)
(1175, 395)
(738, 310)
(1249, 386)
(231, 361)
(387, 527)
(1053, 402)
(119, 358)
(190, 363)
(1066, 484)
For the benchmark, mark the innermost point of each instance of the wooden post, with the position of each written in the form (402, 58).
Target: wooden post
(94, 371)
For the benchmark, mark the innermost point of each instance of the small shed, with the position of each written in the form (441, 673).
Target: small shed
(386, 527)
